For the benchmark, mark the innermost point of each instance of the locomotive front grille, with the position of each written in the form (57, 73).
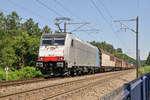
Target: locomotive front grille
(60, 64)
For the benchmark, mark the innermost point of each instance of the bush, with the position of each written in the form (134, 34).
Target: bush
(29, 72)
(24, 73)
(11, 75)
(144, 65)
(141, 71)
(2, 75)
(144, 70)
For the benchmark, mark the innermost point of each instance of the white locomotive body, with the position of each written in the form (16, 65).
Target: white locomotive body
(64, 53)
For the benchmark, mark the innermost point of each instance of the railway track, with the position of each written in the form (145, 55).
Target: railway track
(18, 82)
(76, 89)
(61, 90)
(27, 81)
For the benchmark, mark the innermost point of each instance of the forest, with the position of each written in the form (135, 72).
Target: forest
(19, 41)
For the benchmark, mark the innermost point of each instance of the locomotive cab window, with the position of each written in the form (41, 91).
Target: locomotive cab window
(46, 42)
(59, 41)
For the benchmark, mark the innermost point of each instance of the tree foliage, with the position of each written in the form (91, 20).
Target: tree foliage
(19, 41)
(119, 50)
(147, 62)
(46, 30)
(105, 46)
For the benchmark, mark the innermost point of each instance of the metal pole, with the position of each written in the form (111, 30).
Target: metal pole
(6, 75)
(137, 55)
(65, 27)
(6, 70)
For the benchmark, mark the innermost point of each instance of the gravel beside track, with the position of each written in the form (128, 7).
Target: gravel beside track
(98, 91)
(76, 88)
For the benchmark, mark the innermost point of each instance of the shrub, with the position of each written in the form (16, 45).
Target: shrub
(144, 70)
(29, 72)
(141, 71)
(2, 75)
(24, 73)
(13, 75)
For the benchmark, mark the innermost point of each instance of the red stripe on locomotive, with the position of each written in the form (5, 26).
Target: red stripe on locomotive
(60, 58)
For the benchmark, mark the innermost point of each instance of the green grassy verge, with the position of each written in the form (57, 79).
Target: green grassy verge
(24, 73)
(144, 70)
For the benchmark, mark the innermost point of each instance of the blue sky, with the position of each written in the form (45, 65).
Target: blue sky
(84, 11)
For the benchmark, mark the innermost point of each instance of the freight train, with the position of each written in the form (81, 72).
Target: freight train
(65, 54)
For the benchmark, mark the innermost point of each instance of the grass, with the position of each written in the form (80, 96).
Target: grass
(144, 70)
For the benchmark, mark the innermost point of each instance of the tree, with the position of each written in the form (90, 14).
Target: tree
(119, 50)
(31, 28)
(12, 21)
(19, 42)
(105, 46)
(2, 21)
(8, 57)
(26, 50)
(148, 60)
(46, 30)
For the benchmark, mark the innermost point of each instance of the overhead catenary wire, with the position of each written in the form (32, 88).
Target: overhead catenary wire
(26, 9)
(10, 12)
(69, 12)
(78, 27)
(49, 8)
(113, 21)
(61, 5)
(109, 14)
(100, 12)
(7, 12)
(100, 2)
(29, 11)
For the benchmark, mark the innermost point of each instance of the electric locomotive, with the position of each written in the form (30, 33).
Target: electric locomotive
(65, 54)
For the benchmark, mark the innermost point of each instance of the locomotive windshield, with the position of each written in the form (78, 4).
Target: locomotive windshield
(59, 41)
(47, 42)
(53, 41)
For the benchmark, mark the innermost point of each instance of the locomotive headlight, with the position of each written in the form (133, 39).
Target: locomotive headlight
(42, 58)
(61, 58)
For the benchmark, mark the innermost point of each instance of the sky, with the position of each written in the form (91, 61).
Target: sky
(100, 14)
